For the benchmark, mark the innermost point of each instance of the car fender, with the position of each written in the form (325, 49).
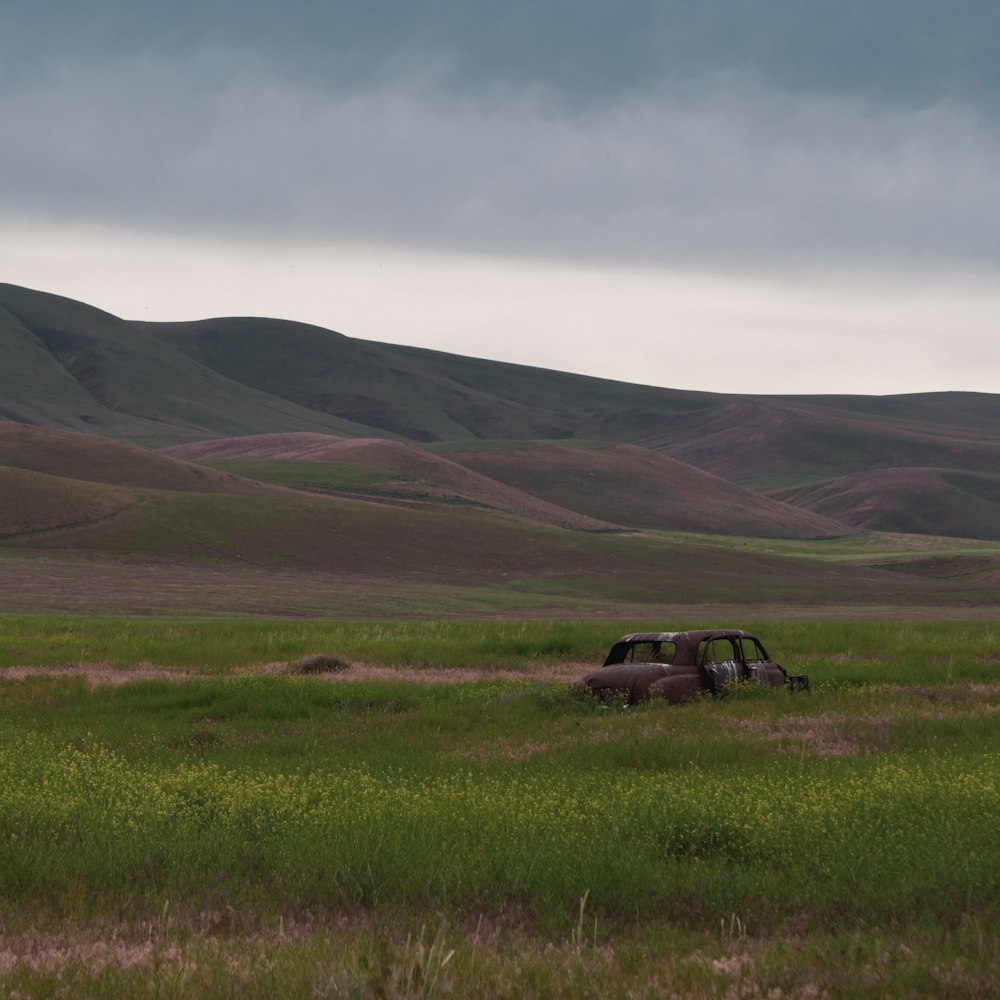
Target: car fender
(677, 687)
(631, 679)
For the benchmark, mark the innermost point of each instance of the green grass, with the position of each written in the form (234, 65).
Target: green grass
(300, 474)
(864, 548)
(924, 652)
(219, 646)
(251, 833)
(286, 792)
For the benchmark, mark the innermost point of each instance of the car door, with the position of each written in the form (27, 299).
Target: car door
(758, 664)
(720, 663)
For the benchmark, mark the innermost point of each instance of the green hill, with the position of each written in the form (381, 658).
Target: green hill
(378, 385)
(103, 460)
(67, 365)
(756, 440)
(919, 501)
(32, 503)
(768, 443)
(629, 485)
(377, 469)
(364, 545)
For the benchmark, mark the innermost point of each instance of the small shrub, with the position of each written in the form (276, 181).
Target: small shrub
(582, 695)
(319, 663)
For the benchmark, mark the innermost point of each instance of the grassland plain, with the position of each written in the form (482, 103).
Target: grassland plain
(245, 831)
(191, 554)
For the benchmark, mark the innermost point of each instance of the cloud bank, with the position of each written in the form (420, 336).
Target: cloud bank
(720, 134)
(754, 140)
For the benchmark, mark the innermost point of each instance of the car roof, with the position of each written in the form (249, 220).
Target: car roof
(693, 636)
(687, 643)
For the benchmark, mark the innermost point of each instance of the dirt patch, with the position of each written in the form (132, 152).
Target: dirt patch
(556, 672)
(824, 735)
(49, 954)
(506, 748)
(104, 945)
(97, 674)
(101, 674)
(979, 695)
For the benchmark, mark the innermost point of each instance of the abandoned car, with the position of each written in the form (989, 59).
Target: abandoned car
(678, 666)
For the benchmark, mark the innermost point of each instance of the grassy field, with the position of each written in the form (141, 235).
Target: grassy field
(834, 651)
(226, 826)
(144, 533)
(318, 557)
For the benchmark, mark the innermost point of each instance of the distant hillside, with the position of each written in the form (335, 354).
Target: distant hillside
(357, 381)
(102, 460)
(144, 533)
(67, 365)
(919, 501)
(761, 442)
(756, 440)
(580, 486)
(289, 445)
(398, 471)
(32, 503)
(643, 489)
(220, 537)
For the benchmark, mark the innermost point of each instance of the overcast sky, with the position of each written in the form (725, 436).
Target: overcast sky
(740, 195)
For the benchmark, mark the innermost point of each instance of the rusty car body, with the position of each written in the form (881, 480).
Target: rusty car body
(678, 666)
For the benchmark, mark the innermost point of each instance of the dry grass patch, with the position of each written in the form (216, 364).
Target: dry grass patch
(96, 674)
(556, 672)
(839, 735)
(824, 735)
(490, 957)
(981, 697)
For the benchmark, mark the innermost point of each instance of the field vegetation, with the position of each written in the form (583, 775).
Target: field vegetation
(228, 826)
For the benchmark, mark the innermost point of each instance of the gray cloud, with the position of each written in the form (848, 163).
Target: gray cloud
(744, 135)
(759, 178)
(584, 51)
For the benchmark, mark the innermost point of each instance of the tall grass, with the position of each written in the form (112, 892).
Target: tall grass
(846, 840)
(286, 791)
(282, 835)
(840, 651)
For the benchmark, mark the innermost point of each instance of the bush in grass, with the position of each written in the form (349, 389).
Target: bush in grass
(319, 663)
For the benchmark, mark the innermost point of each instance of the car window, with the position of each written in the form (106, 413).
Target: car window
(718, 651)
(752, 650)
(652, 652)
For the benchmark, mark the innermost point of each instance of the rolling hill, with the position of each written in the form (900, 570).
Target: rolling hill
(629, 485)
(760, 442)
(94, 459)
(353, 380)
(268, 550)
(394, 471)
(592, 487)
(920, 501)
(69, 366)
(32, 503)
